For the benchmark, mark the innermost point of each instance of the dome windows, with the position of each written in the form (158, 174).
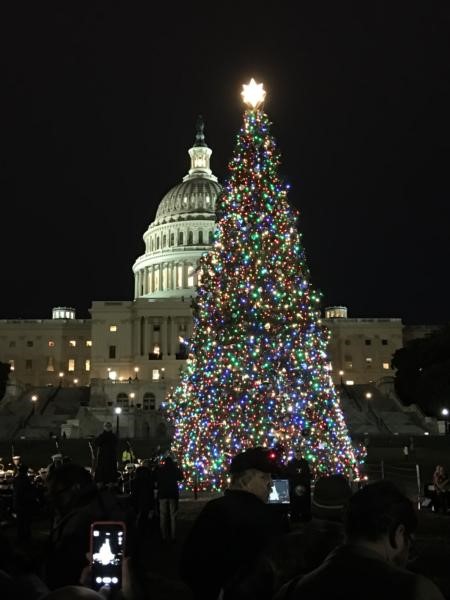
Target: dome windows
(200, 236)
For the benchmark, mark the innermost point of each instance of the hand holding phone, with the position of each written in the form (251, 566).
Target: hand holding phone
(107, 550)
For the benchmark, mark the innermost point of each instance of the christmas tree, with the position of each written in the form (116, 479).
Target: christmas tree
(257, 372)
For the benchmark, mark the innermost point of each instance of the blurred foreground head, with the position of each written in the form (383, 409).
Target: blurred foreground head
(73, 592)
(380, 516)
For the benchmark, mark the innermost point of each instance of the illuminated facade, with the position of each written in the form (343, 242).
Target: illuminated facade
(140, 342)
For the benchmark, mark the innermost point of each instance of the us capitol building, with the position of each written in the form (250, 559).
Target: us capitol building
(76, 372)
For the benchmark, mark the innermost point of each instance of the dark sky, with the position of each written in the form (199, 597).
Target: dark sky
(98, 109)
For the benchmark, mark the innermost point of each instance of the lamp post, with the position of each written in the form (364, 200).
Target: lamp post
(118, 411)
(136, 371)
(341, 374)
(445, 413)
(368, 395)
(60, 375)
(34, 399)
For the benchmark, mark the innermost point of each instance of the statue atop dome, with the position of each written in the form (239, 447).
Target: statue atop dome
(200, 155)
(200, 135)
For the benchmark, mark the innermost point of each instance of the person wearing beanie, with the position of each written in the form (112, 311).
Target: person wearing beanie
(232, 531)
(379, 522)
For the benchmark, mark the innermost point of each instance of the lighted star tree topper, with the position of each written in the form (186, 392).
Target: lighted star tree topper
(257, 372)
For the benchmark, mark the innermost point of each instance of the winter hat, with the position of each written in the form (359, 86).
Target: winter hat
(254, 458)
(330, 497)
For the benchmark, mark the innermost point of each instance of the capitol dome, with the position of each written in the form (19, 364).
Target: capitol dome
(181, 232)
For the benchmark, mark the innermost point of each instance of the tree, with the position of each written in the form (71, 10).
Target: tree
(423, 372)
(257, 371)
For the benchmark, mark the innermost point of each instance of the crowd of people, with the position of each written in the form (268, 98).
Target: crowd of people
(328, 541)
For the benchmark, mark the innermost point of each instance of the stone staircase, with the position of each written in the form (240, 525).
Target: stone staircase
(386, 413)
(57, 408)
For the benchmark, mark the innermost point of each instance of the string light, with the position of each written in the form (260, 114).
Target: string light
(257, 372)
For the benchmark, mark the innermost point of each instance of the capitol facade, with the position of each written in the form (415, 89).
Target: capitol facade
(131, 352)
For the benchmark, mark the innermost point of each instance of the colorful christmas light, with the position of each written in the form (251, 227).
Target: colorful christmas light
(258, 370)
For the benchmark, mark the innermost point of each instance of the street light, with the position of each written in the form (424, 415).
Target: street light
(118, 411)
(34, 399)
(136, 371)
(444, 413)
(341, 374)
(368, 395)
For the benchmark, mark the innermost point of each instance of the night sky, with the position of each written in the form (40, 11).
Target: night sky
(98, 110)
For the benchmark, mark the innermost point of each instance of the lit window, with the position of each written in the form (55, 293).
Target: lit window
(88, 343)
(368, 360)
(113, 327)
(149, 401)
(71, 364)
(349, 382)
(72, 343)
(11, 364)
(386, 366)
(51, 344)
(155, 374)
(50, 364)
(156, 350)
(87, 365)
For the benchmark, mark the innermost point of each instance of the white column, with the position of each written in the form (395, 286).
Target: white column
(170, 336)
(149, 336)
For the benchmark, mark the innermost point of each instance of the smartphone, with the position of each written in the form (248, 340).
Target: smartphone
(107, 551)
(279, 494)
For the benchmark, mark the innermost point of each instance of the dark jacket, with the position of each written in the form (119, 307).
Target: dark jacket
(24, 494)
(106, 468)
(225, 543)
(168, 476)
(351, 573)
(142, 490)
